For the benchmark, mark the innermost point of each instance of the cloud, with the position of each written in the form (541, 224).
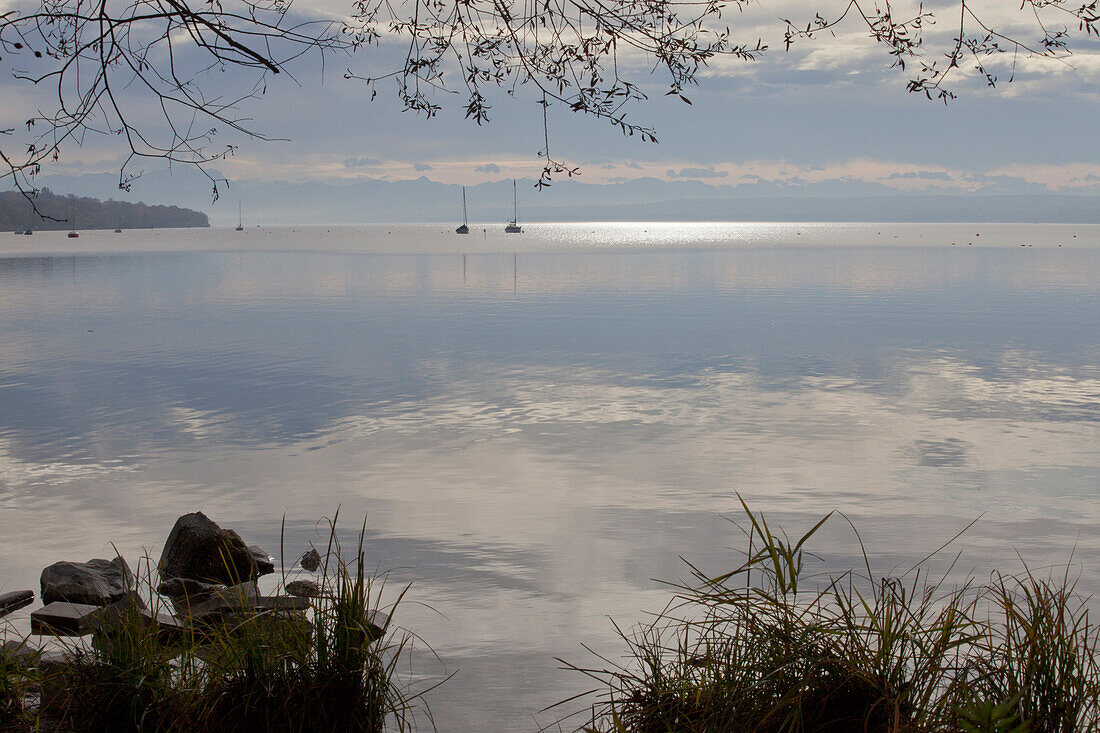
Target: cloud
(422, 167)
(696, 173)
(488, 168)
(361, 162)
(633, 165)
(922, 175)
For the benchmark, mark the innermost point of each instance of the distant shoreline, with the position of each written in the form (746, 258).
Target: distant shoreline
(72, 213)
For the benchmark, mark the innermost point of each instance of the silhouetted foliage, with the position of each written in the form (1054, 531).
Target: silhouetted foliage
(110, 62)
(68, 212)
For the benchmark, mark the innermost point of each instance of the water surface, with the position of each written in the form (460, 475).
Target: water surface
(540, 427)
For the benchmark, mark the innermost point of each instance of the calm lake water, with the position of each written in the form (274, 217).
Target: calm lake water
(539, 429)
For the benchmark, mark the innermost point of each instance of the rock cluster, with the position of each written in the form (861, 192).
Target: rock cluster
(208, 573)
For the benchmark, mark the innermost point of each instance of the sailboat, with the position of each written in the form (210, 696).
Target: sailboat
(118, 220)
(513, 226)
(465, 228)
(73, 234)
(240, 218)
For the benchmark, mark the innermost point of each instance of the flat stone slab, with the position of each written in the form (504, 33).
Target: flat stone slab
(116, 614)
(61, 618)
(15, 600)
(244, 598)
(283, 603)
(167, 623)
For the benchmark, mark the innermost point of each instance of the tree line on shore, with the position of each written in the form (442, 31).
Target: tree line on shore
(59, 212)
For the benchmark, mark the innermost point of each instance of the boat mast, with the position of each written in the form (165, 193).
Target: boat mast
(464, 222)
(515, 210)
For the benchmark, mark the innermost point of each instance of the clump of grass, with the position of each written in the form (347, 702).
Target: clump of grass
(771, 648)
(1045, 656)
(337, 673)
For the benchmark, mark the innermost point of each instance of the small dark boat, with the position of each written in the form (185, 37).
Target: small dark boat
(513, 226)
(73, 234)
(465, 228)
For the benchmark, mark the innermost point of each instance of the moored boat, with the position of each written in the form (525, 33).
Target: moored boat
(465, 228)
(513, 226)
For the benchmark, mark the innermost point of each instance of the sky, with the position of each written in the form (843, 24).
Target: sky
(830, 109)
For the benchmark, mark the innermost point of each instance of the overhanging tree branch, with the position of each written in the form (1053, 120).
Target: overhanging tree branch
(107, 62)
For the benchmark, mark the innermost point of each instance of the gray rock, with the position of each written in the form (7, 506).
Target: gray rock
(186, 589)
(126, 614)
(22, 654)
(96, 582)
(199, 549)
(226, 601)
(65, 619)
(303, 589)
(264, 562)
(377, 623)
(311, 560)
(15, 600)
